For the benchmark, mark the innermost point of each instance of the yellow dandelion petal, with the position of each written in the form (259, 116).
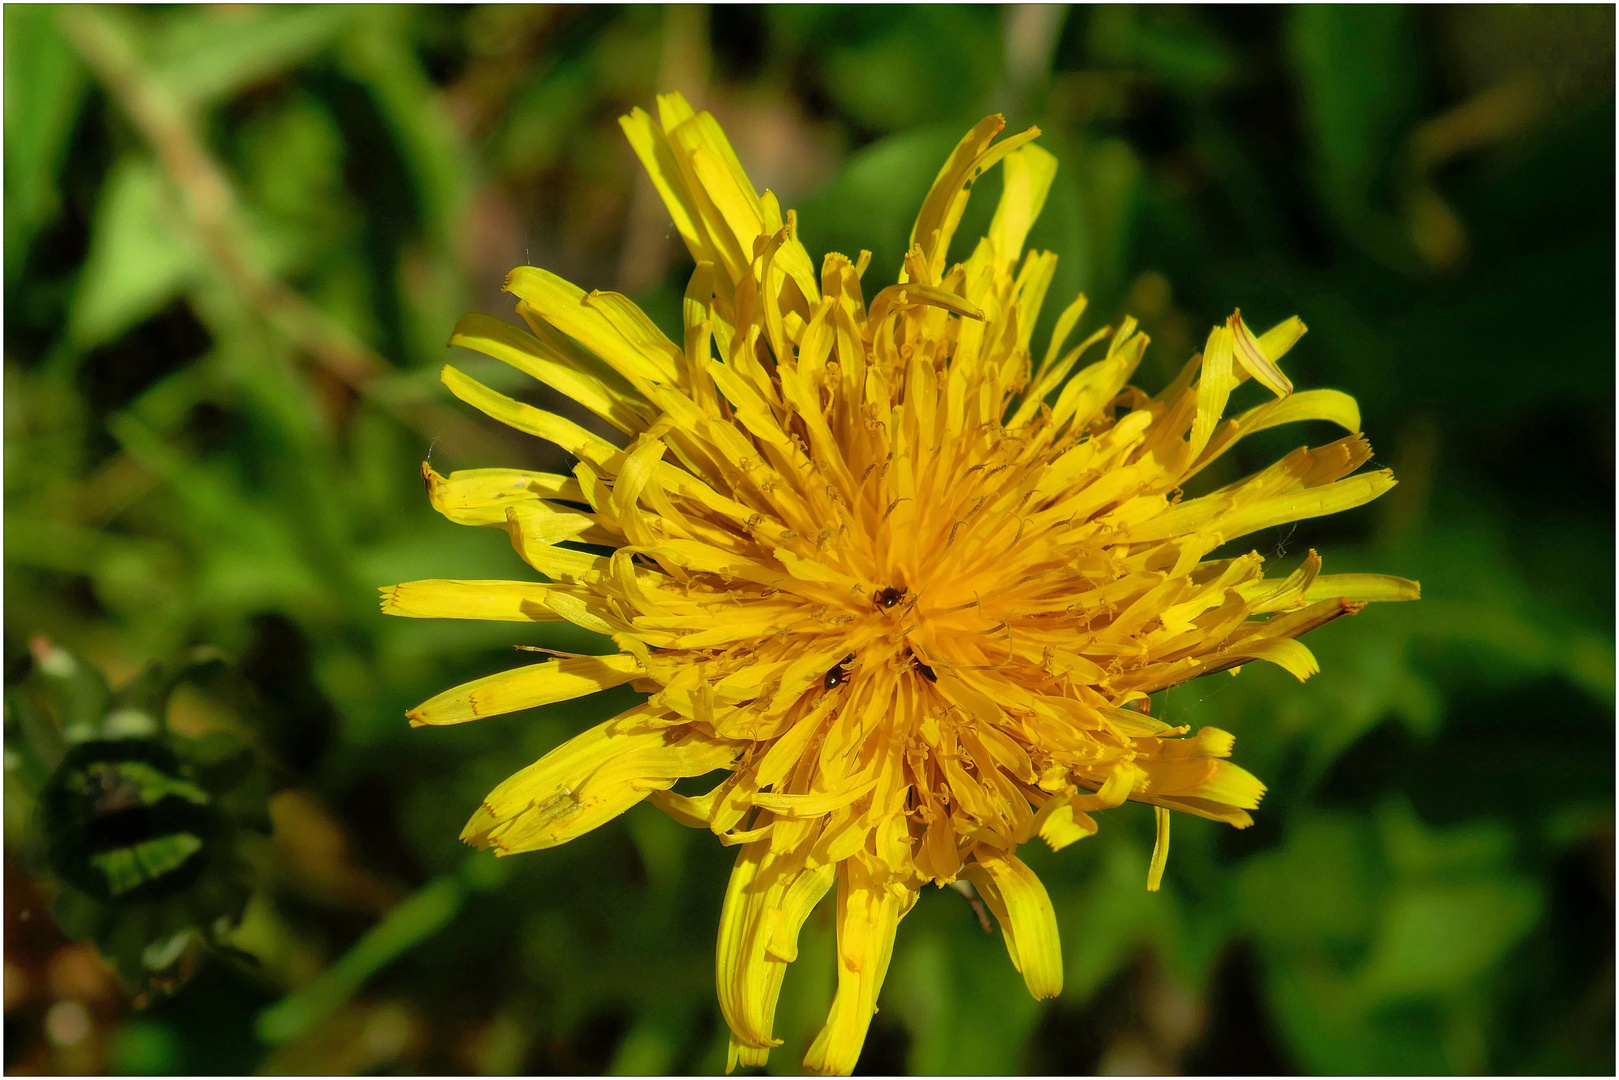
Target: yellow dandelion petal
(526, 688)
(1028, 923)
(497, 601)
(1250, 352)
(480, 496)
(908, 588)
(1160, 849)
(770, 896)
(528, 354)
(1363, 587)
(868, 917)
(589, 780)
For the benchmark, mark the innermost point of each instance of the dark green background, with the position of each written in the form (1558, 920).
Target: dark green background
(1429, 885)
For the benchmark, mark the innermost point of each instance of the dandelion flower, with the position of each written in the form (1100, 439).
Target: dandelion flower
(909, 585)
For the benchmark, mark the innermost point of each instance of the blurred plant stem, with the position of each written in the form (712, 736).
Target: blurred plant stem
(109, 46)
(1493, 115)
(408, 924)
(110, 50)
(1032, 31)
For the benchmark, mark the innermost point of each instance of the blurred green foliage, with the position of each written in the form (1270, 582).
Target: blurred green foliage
(236, 239)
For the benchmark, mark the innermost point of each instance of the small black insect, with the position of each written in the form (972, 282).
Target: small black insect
(838, 675)
(927, 672)
(888, 597)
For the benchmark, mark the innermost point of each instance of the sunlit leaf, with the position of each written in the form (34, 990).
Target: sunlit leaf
(140, 256)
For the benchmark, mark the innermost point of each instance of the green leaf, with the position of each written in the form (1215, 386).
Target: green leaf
(140, 257)
(1328, 1033)
(420, 916)
(1439, 939)
(1356, 65)
(541, 123)
(292, 161)
(872, 205)
(438, 162)
(1318, 888)
(914, 63)
(45, 86)
(206, 54)
(1378, 933)
(1167, 43)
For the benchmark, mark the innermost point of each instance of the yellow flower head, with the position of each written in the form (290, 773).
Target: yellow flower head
(908, 583)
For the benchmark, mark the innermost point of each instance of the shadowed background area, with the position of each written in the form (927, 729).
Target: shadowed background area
(236, 241)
